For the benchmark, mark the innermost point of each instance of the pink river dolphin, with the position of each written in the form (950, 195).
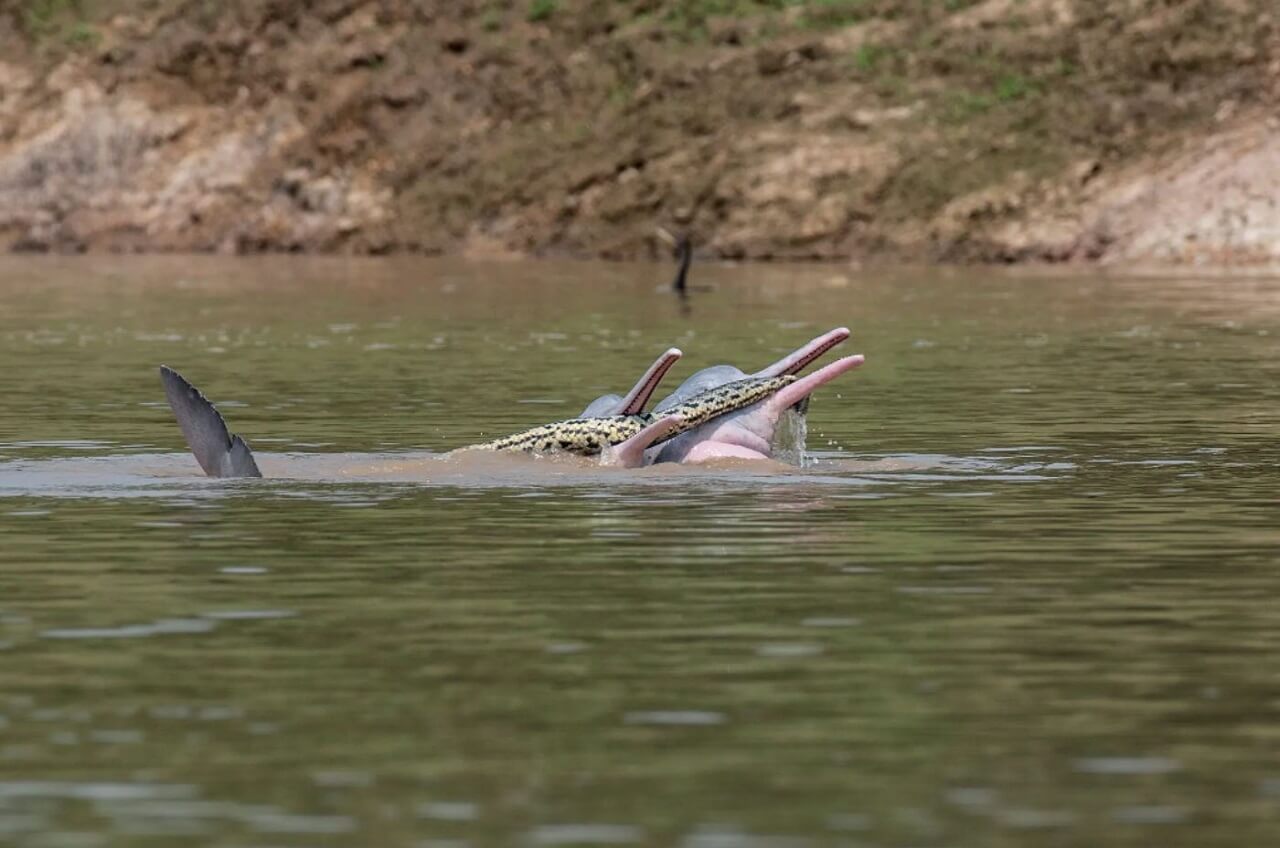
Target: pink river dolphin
(719, 412)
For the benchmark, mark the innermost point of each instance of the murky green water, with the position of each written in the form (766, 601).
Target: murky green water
(1028, 595)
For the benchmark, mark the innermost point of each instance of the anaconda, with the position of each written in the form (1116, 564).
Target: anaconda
(590, 436)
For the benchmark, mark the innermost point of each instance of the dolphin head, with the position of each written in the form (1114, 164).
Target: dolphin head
(707, 378)
(748, 433)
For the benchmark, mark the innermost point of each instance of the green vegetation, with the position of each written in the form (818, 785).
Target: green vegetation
(690, 19)
(82, 35)
(932, 99)
(1011, 87)
(1014, 87)
(45, 19)
(962, 98)
(541, 10)
(38, 15)
(828, 14)
(867, 56)
(56, 26)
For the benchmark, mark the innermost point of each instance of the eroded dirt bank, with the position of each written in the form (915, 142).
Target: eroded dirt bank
(980, 130)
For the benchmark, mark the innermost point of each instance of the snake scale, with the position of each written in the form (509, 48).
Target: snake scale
(590, 436)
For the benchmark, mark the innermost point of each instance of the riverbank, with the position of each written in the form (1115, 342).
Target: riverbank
(1040, 130)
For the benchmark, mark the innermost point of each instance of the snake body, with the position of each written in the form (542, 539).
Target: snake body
(590, 436)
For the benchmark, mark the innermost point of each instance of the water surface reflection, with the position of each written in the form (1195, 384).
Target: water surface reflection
(1022, 593)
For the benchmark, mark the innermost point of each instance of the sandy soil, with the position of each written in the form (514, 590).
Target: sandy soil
(1039, 130)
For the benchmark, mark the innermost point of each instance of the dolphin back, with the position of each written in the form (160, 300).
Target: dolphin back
(602, 406)
(219, 452)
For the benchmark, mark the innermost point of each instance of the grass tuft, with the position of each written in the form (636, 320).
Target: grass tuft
(541, 10)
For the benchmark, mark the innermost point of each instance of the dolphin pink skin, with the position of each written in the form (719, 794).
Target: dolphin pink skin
(748, 433)
(636, 400)
(678, 448)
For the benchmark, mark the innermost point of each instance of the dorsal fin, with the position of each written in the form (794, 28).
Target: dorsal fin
(219, 453)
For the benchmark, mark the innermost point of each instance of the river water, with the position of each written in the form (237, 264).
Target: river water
(1024, 593)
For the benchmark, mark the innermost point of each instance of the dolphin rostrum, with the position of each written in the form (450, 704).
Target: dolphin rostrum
(638, 397)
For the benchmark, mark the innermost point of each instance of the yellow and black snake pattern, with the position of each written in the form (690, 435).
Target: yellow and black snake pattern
(590, 436)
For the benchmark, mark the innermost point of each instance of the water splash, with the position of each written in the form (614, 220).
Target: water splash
(790, 437)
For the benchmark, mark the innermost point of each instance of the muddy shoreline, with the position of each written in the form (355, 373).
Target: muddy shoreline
(1044, 131)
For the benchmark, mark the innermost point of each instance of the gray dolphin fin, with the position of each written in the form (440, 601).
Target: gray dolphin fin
(219, 453)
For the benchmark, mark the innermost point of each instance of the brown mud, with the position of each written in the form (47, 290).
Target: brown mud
(956, 130)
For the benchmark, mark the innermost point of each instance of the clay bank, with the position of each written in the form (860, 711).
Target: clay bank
(972, 130)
